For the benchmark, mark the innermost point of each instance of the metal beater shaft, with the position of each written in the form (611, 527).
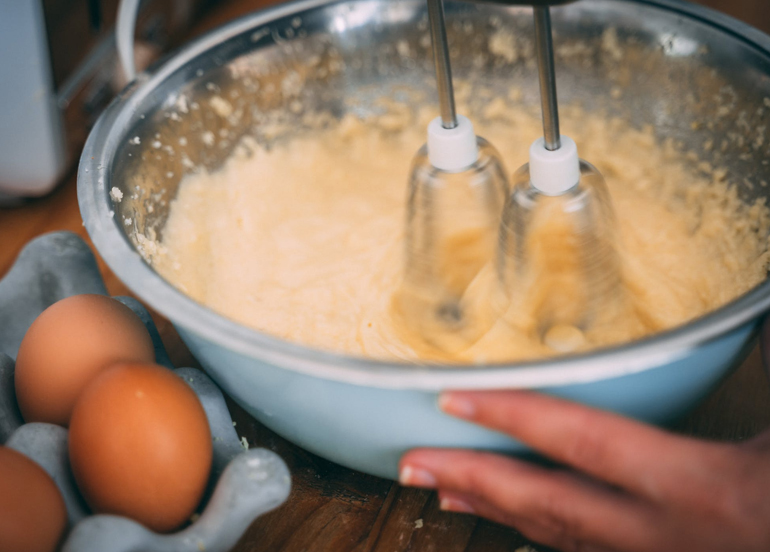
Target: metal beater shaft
(546, 68)
(446, 94)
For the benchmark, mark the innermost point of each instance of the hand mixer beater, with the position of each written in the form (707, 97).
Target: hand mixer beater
(558, 257)
(457, 190)
(554, 247)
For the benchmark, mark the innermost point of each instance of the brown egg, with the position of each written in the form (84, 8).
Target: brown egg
(32, 512)
(67, 346)
(140, 445)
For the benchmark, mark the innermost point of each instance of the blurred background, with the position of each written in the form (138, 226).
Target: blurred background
(59, 69)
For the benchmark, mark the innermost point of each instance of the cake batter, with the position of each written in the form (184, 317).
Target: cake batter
(304, 242)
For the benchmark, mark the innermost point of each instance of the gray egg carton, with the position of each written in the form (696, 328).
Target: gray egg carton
(243, 485)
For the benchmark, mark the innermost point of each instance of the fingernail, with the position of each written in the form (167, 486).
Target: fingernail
(456, 406)
(456, 505)
(412, 476)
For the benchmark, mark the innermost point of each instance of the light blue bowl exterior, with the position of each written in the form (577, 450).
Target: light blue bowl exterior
(369, 429)
(365, 414)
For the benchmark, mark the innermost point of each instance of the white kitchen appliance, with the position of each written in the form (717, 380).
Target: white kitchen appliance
(58, 70)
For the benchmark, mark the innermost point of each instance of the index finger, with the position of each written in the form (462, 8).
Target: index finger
(609, 447)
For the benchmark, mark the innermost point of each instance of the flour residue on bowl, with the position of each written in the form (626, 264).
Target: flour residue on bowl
(304, 240)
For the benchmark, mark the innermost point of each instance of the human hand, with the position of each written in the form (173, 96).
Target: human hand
(629, 487)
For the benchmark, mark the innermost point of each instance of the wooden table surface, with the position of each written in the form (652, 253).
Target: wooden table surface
(335, 509)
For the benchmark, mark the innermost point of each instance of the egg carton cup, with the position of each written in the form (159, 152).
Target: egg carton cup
(243, 484)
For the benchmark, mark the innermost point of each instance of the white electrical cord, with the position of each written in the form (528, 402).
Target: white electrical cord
(124, 36)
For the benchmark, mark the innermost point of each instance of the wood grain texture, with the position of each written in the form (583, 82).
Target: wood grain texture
(332, 509)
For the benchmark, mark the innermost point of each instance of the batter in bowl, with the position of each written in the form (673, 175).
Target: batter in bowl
(304, 241)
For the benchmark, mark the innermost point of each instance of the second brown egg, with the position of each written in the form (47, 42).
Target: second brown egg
(67, 346)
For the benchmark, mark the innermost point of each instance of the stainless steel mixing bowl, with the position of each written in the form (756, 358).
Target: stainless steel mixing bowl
(695, 75)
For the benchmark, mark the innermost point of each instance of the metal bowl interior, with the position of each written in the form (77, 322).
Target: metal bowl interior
(699, 78)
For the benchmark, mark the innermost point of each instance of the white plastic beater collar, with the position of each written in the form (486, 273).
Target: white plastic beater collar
(554, 172)
(452, 149)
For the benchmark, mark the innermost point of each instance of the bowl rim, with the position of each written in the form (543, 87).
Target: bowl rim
(189, 316)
